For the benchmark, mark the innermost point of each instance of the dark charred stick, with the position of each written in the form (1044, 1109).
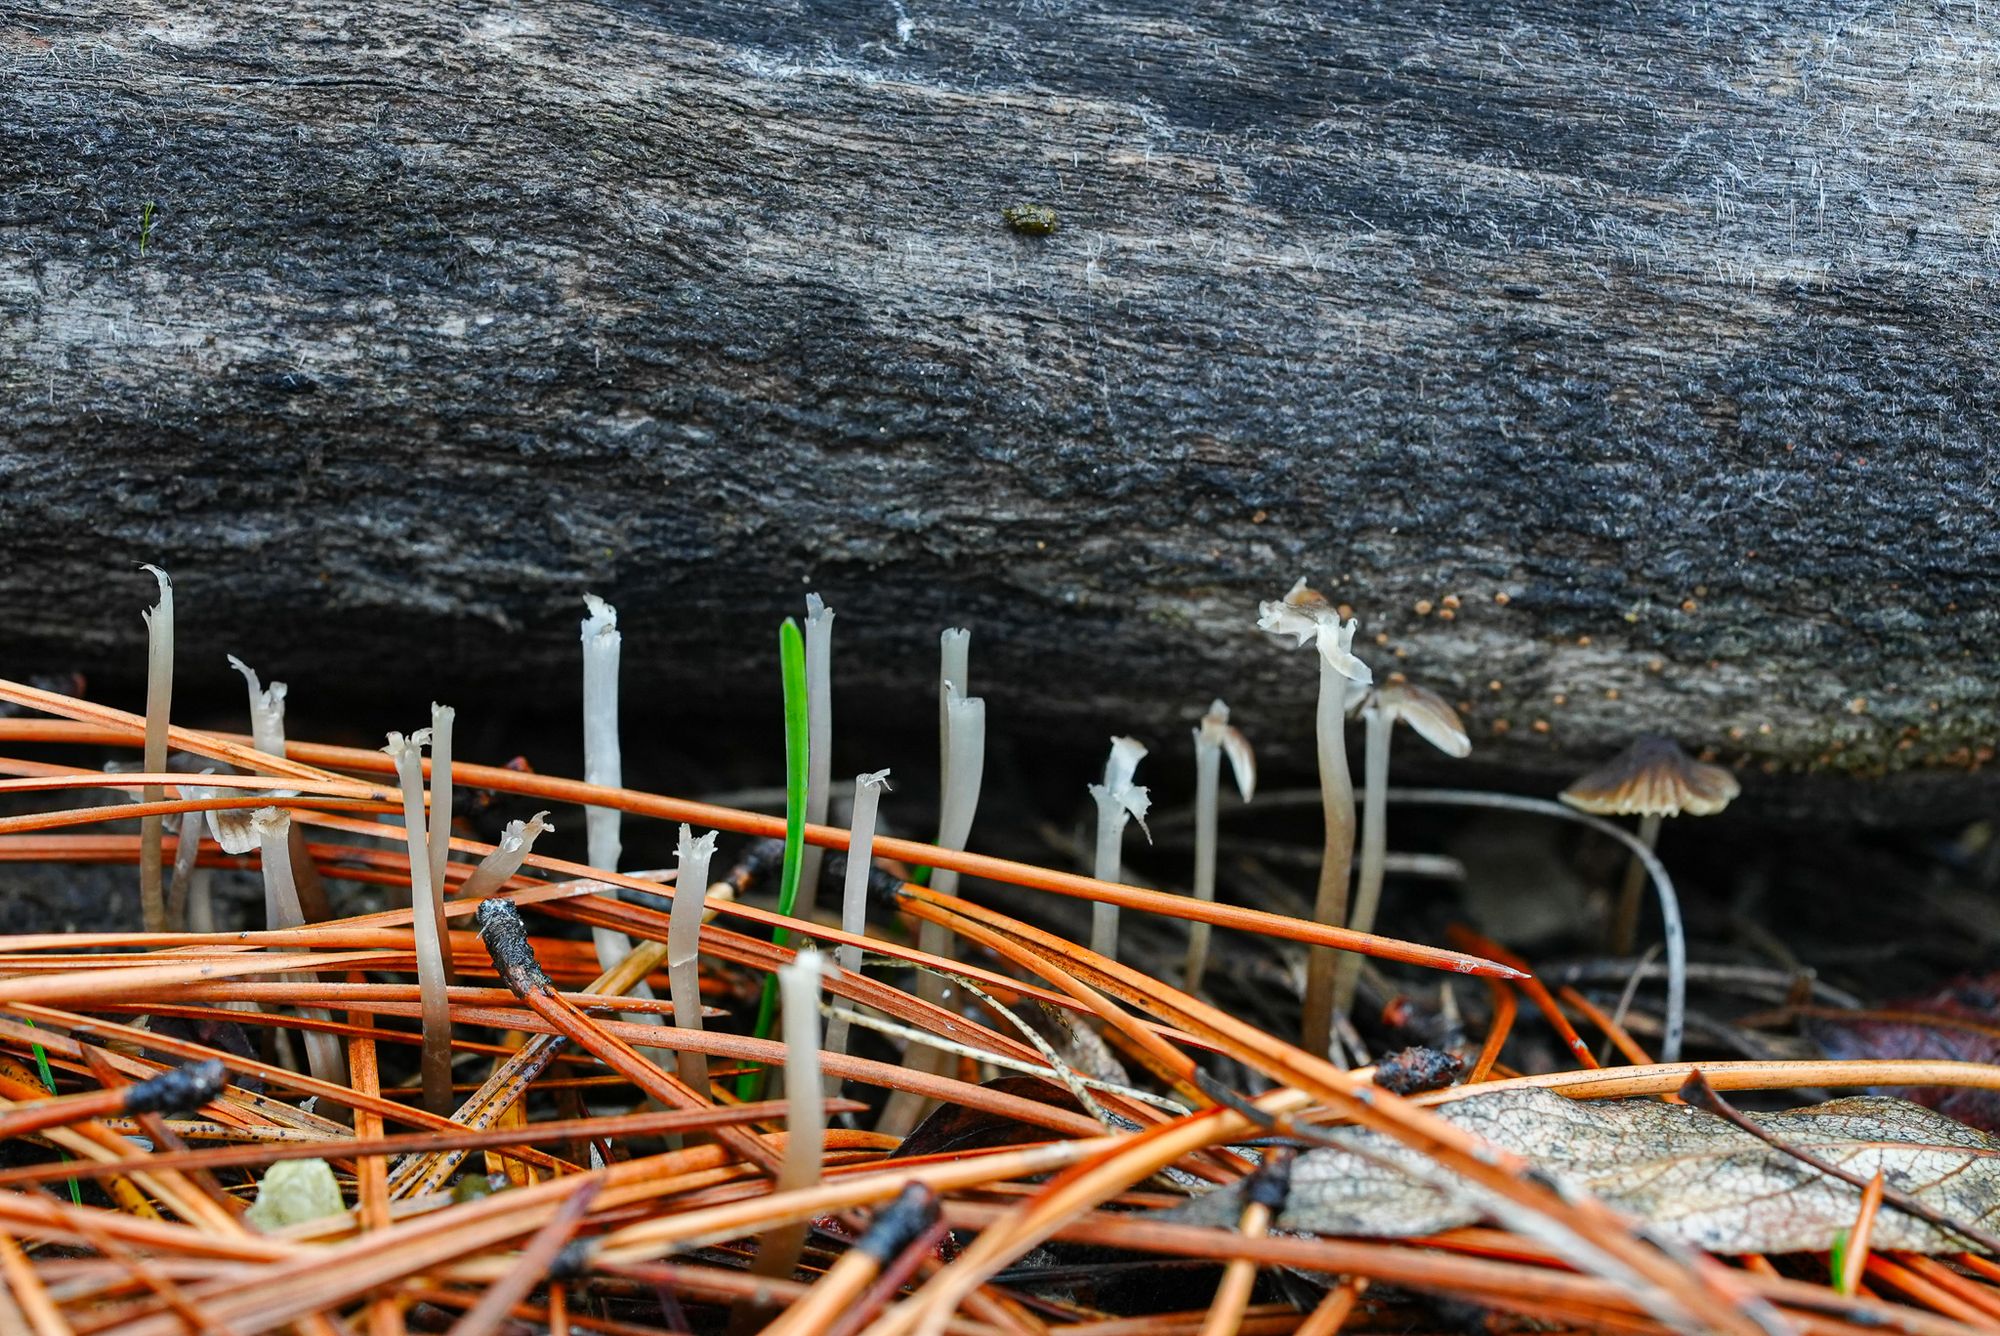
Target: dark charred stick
(1271, 1186)
(855, 1288)
(165, 1139)
(181, 1088)
(506, 939)
(913, 1211)
(1697, 1091)
(762, 860)
(928, 1247)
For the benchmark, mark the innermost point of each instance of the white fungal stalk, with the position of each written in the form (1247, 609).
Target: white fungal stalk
(438, 840)
(684, 948)
(602, 763)
(778, 1249)
(1437, 723)
(187, 829)
(805, 1144)
(966, 744)
(1378, 724)
(498, 867)
(1118, 800)
(854, 896)
(324, 1056)
(426, 918)
(964, 749)
(267, 710)
(962, 721)
(159, 705)
(954, 667)
(819, 745)
(201, 907)
(1212, 739)
(267, 734)
(1307, 617)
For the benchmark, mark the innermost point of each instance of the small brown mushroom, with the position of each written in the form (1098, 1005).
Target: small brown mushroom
(1651, 779)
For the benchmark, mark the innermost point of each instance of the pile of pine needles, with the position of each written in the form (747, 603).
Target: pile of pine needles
(129, 1164)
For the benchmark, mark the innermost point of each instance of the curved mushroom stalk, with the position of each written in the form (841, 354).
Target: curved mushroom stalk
(1437, 723)
(1308, 618)
(962, 767)
(324, 1056)
(426, 923)
(1213, 739)
(868, 791)
(267, 734)
(1118, 800)
(159, 705)
(684, 948)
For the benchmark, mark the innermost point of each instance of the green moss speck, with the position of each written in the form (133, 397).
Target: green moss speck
(1036, 220)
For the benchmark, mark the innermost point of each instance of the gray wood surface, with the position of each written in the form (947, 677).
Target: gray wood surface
(1674, 324)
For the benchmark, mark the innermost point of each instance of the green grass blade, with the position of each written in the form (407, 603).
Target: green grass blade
(49, 1080)
(792, 663)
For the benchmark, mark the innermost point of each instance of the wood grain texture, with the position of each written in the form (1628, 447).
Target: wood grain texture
(1672, 323)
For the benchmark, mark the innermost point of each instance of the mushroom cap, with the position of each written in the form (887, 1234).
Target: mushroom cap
(1653, 777)
(1305, 615)
(1216, 731)
(1427, 712)
(1118, 793)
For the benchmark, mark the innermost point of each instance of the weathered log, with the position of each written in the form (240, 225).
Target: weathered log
(1624, 367)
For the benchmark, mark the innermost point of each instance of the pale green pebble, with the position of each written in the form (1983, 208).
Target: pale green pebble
(293, 1192)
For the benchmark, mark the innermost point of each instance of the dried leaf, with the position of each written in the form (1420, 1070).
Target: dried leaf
(1689, 1174)
(1958, 1023)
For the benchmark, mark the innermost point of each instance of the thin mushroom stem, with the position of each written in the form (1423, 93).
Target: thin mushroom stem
(1207, 809)
(965, 766)
(426, 921)
(267, 734)
(1625, 920)
(1330, 905)
(1105, 867)
(1374, 848)
(1213, 737)
(1675, 1022)
(684, 949)
(201, 899)
(819, 745)
(187, 848)
(159, 706)
(438, 841)
(325, 1056)
(854, 897)
(1118, 800)
(778, 1250)
(602, 762)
